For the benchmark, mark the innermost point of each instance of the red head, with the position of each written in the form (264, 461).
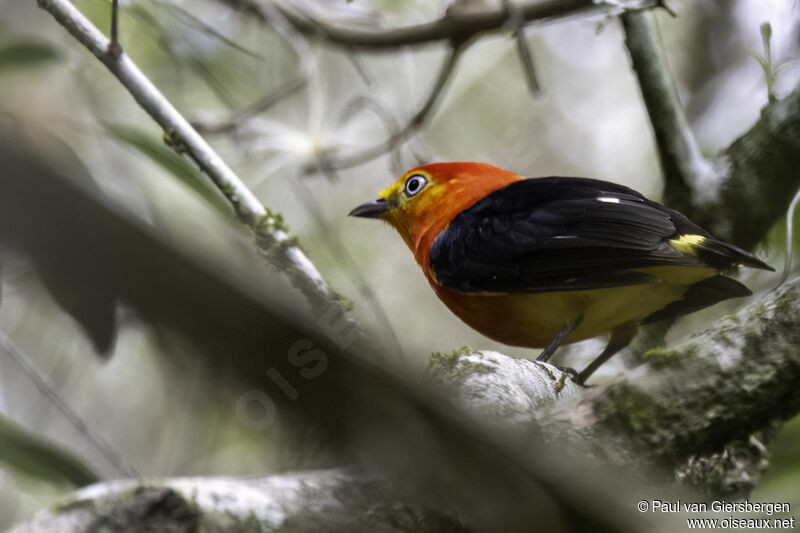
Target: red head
(425, 199)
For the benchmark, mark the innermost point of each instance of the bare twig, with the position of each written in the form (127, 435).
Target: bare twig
(115, 48)
(417, 120)
(272, 236)
(228, 124)
(383, 114)
(459, 26)
(456, 25)
(682, 163)
(517, 25)
(167, 41)
(278, 22)
(204, 27)
(526, 57)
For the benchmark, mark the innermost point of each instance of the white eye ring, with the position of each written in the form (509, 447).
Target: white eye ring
(414, 184)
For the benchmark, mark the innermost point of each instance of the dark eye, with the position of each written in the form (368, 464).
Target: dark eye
(414, 184)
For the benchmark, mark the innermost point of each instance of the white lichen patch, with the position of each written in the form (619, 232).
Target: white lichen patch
(506, 390)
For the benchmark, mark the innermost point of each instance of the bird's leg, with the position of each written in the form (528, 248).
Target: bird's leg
(553, 346)
(620, 338)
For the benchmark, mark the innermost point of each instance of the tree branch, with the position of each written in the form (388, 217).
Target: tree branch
(457, 25)
(692, 409)
(414, 123)
(517, 24)
(271, 235)
(352, 405)
(745, 189)
(754, 178)
(343, 500)
(682, 163)
(306, 63)
(684, 406)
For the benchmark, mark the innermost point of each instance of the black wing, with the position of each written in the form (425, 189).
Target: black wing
(551, 234)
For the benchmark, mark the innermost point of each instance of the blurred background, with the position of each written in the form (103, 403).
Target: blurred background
(137, 413)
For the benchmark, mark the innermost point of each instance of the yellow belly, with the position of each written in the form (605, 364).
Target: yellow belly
(533, 320)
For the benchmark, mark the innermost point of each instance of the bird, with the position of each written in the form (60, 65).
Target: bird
(545, 262)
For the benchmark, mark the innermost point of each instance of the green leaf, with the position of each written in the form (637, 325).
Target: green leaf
(760, 59)
(26, 54)
(29, 453)
(166, 158)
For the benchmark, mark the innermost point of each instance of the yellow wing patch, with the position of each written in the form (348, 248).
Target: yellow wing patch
(687, 243)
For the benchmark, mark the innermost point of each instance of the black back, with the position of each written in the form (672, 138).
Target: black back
(554, 234)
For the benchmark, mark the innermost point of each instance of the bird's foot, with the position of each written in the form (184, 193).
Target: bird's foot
(574, 375)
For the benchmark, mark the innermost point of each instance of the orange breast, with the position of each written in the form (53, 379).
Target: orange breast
(534, 319)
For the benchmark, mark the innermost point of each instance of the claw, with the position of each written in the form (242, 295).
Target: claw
(568, 370)
(574, 375)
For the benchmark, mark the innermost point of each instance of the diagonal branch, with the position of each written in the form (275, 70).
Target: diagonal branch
(681, 410)
(689, 409)
(682, 163)
(747, 187)
(755, 177)
(272, 236)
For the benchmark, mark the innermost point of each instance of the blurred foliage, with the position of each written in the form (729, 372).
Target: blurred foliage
(172, 417)
(25, 451)
(23, 54)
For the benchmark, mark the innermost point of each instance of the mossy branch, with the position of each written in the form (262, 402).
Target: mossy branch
(746, 188)
(693, 409)
(687, 407)
(755, 177)
(343, 501)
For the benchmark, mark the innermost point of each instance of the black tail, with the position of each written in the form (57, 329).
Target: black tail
(699, 296)
(724, 256)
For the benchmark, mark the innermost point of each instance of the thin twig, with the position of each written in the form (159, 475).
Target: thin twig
(230, 123)
(417, 120)
(455, 25)
(205, 28)
(382, 113)
(115, 48)
(458, 26)
(278, 22)
(360, 68)
(166, 38)
(517, 25)
(272, 237)
(102, 447)
(682, 162)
